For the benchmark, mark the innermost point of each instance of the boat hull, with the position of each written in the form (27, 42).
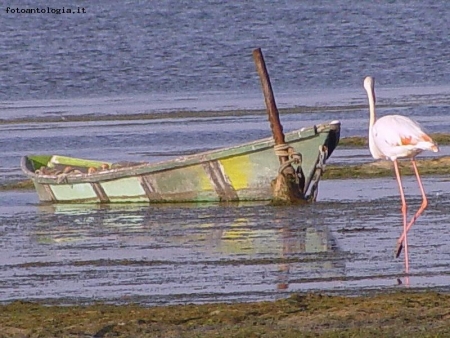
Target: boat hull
(239, 173)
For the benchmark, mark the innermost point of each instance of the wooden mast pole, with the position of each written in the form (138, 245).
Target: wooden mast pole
(272, 111)
(285, 187)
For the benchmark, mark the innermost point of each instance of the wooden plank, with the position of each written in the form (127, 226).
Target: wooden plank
(100, 192)
(272, 110)
(222, 186)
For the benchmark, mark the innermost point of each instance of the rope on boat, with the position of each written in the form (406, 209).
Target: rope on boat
(285, 150)
(62, 178)
(320, 168)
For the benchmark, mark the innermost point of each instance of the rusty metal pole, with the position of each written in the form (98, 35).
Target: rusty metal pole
(285, 187)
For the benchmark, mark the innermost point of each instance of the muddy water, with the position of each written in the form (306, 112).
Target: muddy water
(162, 254)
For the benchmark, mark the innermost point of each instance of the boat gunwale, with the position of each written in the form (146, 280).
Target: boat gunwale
(178, 162)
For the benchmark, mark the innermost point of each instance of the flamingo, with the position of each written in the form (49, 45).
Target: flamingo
(394, 137)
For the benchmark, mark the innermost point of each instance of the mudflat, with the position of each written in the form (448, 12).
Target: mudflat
(398, 314)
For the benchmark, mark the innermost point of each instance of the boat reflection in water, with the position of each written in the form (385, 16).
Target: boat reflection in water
(232, 248)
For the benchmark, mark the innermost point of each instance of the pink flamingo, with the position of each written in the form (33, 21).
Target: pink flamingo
(393, 137)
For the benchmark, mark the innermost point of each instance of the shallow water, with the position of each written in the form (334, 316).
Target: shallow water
(167, 254)
(163, 254)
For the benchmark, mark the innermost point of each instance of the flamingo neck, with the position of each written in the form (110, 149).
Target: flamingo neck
(372, 116)
(372, 146)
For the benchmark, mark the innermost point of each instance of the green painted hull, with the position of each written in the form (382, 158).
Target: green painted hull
(239, 173)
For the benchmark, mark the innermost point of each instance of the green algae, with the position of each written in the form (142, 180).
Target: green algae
(406, 313)
(362, 141)
(426, 167)
(20, 185)
(354, 142)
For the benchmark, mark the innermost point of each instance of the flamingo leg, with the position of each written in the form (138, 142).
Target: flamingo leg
(417, 214)
(404, 208)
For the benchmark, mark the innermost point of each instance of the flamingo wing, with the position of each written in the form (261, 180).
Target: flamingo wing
(398, 136)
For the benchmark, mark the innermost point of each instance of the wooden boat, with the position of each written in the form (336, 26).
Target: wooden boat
(239, 173)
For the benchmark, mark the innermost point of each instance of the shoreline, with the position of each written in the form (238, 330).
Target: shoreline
(58, 113)
(411, 313)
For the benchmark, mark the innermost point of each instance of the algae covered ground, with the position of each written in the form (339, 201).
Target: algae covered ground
(361, 141)
(399, 314)
(437, 165)
(426, 167)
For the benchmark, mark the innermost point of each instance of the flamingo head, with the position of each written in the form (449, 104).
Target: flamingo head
(369, 86)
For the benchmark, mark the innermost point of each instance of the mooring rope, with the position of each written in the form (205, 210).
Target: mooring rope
(285, 150)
